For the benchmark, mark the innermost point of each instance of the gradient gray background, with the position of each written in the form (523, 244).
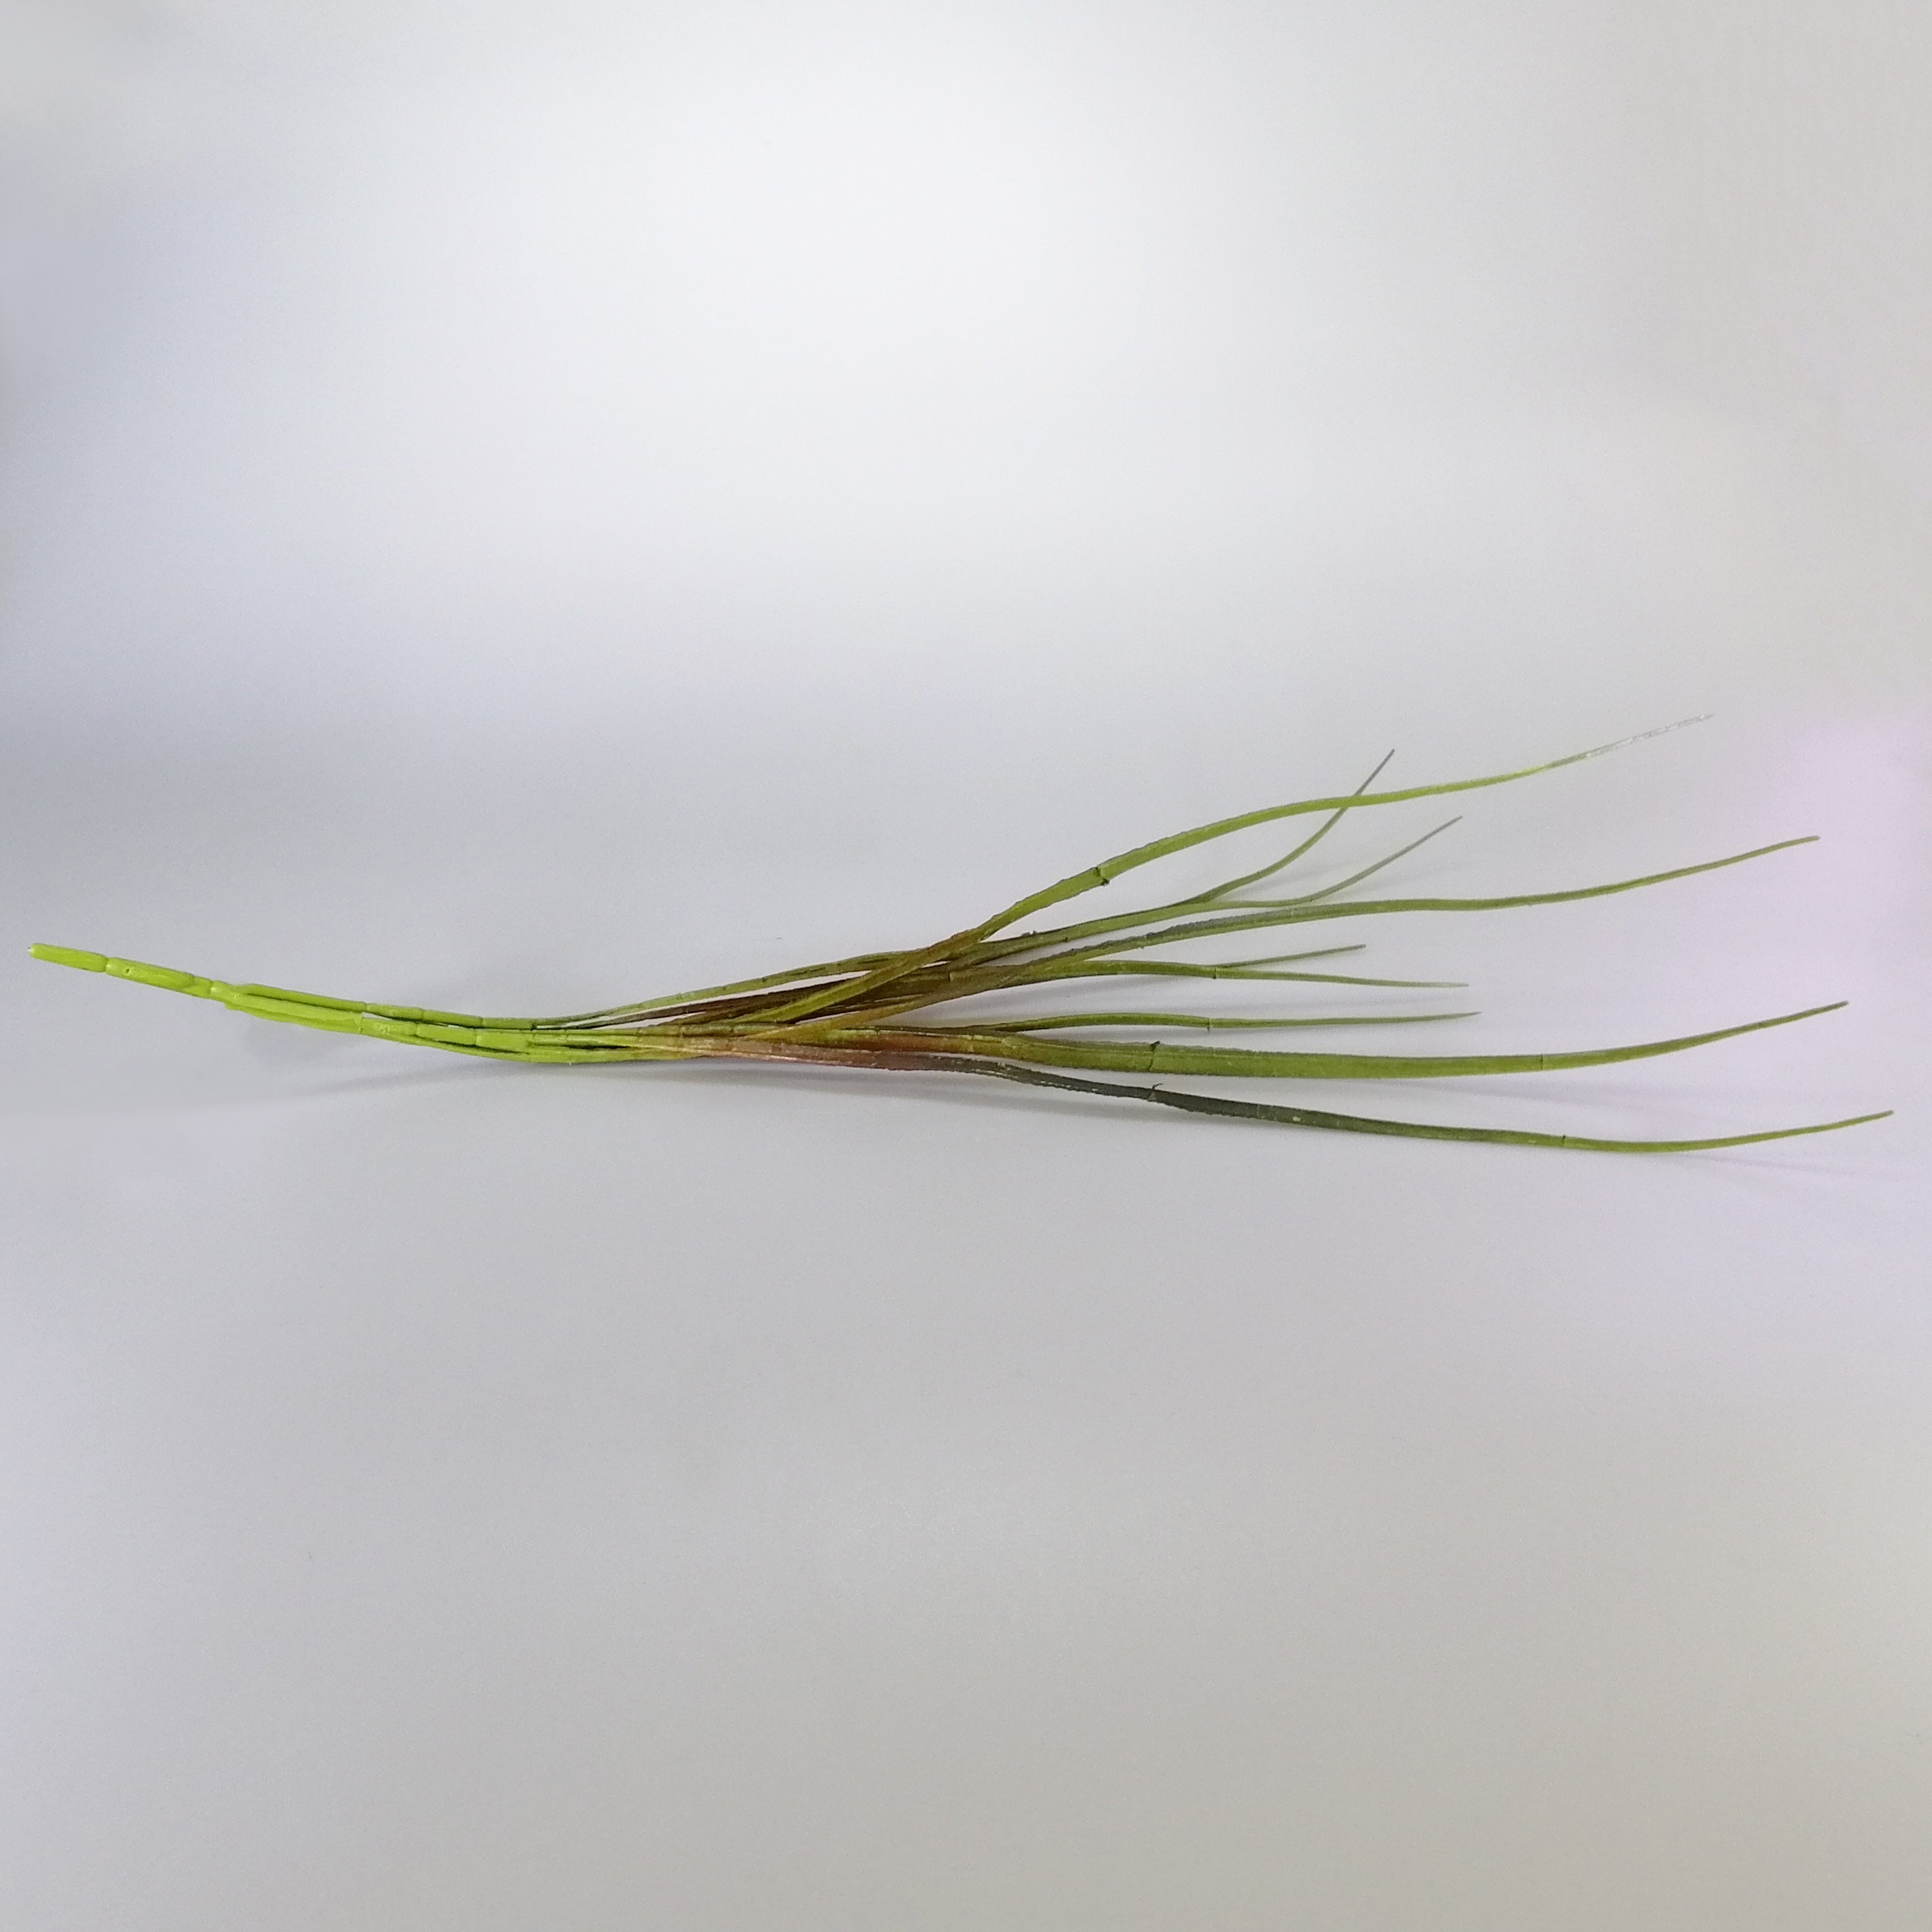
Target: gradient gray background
(513, 508)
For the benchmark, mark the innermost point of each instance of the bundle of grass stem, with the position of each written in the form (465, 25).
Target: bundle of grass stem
(872, 1010)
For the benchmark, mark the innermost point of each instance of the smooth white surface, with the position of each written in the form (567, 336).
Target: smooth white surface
(514, 516)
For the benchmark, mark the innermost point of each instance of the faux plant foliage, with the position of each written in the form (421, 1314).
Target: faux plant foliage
(877, 1010)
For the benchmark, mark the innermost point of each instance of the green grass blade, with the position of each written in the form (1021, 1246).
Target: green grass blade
(1206, 1021)
(417, 1026)
(919, 1061)
(701, 995)
(1300, 851)
(1108, 870)
(1187, 969)
(1366, 872)
(916, 994)
(1358, 1124)
(1246, 1064)
(1294, 912)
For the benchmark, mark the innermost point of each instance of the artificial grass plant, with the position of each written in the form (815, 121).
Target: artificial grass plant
(875, 1009)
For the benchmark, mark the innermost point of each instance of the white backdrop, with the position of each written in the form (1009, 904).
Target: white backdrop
(515, 508)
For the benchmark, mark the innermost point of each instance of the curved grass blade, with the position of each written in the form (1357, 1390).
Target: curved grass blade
(1243, 1063)
(1360, 1124)
(1293, 912)
(1206, 1022)
(1275, 1114)
(704, 995)
(1306, 846)
(1108, 870)
(1185, 969)
(1366, 872)
(913, 995)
